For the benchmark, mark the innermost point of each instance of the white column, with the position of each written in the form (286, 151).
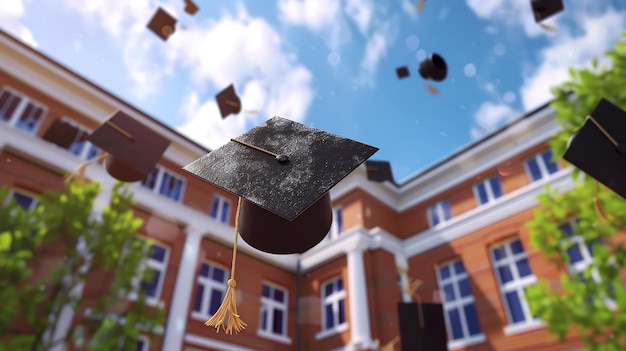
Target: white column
(359, 308)
(67, 311)
(179, 309)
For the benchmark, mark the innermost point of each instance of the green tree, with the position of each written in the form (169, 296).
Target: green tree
(68, 239)
(591, 302)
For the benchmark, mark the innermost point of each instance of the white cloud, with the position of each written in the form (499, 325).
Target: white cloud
(361, 12)
(374, 50)
(314, 14)
(599, 34)
(11, 13)
(491, 116)
(410, 8)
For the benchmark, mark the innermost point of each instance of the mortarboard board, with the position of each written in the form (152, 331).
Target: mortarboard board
(162, 24)
(402, 72)
(543, 9)
(190, 7)
(283, 191)
(379, 171)
(599, 147)
(422, 327)
(228, 101)
(63, 134)
(133, 148)
(434, 67)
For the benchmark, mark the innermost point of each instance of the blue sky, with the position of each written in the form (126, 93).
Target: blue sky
(326, 63)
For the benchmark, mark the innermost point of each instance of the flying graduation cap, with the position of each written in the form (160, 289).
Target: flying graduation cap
(190, 7)
(162, 24)
(133, 148)
(379, 171)
(599, 147)
(434, 67)
(282, 172)
(543, 9)
(228, 102)
(63, 134)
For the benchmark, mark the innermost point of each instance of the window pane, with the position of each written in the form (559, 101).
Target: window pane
(266, 291)
(24, 201)
(214, 206)
(263, 318)
(277, 326)
(204, 270)
(464, 287)
(496, 189)
(455, 324)
(472, 319)
(225, 211)
(458, 267)
(567, 228)
(448, 291)
(516, 247)
(515, 306)
(533, 168)
(151, 284)
(523, 268)
(150, 180)
(218, 275)
(574, 254)
(199, 296)
(215, 301)
(499, 253)
(157, 253)
(330, 322)
(328, 289)
(481, 192)
(342, 311)
(8, 107)
(432, 214)
(279, 295)
(505, 274)
(140, 345)
(551, 166)
(338, 220)
(447, 214)
(339, 284)
(444, 272)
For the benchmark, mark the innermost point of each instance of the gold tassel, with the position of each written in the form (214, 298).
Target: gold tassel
(227, 313)
(547, 27)
(79, 173)
(390, 345)
(432, 89)
(420, 5)
(598, 206)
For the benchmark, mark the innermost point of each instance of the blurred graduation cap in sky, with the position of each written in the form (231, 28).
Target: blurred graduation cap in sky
(228, 102)
(543, 9)
(379, 171)
(434, 68)
(63, 134)
(133, 148)
(162, 24)
(190, 7)
(599, 147)
(283, 171)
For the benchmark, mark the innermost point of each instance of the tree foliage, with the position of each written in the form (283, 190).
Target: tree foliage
(591, 303)
(48, 252)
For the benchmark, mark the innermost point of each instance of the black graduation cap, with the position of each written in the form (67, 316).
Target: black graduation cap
(190, 7)
(134, 149)
(228, 101)
(379, 171)
(63, 134)
(543, 9)
(599, 147)
(162, 24)
(434, 67)
(402, 72)
(422, 327)
(282, 171)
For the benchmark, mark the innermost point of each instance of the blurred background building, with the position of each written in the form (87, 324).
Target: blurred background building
(458, 226)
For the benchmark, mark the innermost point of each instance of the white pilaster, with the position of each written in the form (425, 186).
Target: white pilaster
(403, 269)
(179, 309)
(361, 336)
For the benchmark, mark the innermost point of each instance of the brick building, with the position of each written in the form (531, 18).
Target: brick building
(458, 226)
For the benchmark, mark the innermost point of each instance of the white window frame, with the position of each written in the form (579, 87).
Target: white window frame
(439, 210)
(336, 227)
(458, 303)
(159, 180)
(83, 153)
(488, 190)
(221, 201)
(543, 168)
(12, 193)
(517, 284)
(19, 109)
(161, 267)
(333, 299)
(269, 305)
(209, 285)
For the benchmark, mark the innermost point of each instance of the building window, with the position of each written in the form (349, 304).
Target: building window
(458, 302)
(26, 202)
(20, 112)
(488, 190)
(165, 183)
(142, 343)
(514, 275)
(80, 146)
(220, 208)
(333, 305)
(439, 213)
(337, 225)
(541, 166)
(273, 311)
(210, 290)
(153, 273)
